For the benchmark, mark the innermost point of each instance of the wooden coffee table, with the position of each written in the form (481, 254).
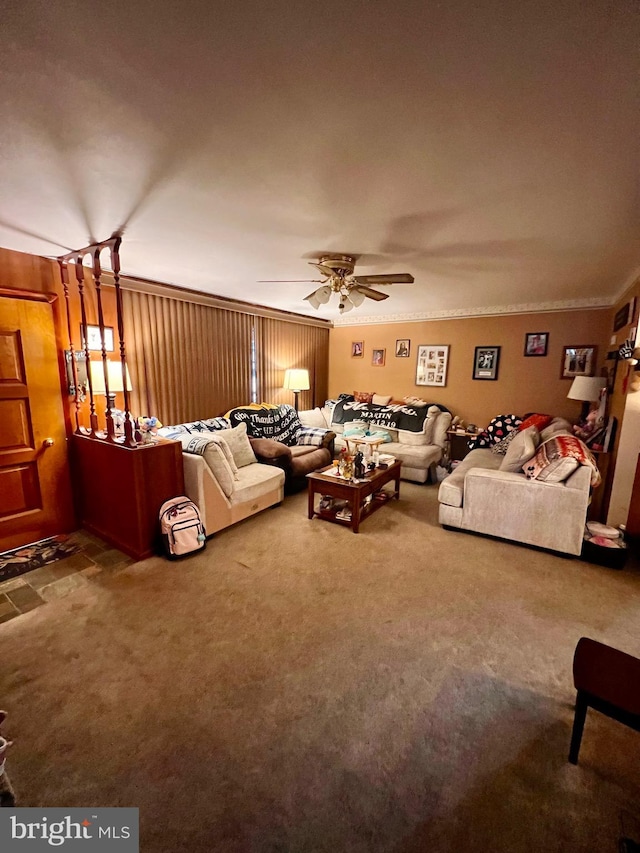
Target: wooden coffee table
(322, 483)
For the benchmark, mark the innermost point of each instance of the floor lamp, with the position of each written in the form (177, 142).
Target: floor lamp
(296, 380)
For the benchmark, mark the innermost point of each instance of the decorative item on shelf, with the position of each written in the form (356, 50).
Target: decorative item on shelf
(148, 428)
(296, 380)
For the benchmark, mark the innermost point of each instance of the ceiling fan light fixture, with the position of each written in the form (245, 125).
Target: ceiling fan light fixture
(323, 294)
(356, 297)
(313, 300)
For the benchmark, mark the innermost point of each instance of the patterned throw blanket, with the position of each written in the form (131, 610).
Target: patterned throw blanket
(411, 418)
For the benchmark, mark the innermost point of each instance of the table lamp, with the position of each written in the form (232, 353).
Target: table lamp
(296, 380)
(114, 369)
(587, 389)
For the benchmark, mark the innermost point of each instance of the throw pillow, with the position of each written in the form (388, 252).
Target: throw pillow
(539, 421)
(363, 396)
(239, 445)
(228, 455)
(312, 436)
(213, 456)
(503, 445)
(521, 449)
(558, 458)
(313, 418)
(382, 434)
(498, 429)
(381, 399)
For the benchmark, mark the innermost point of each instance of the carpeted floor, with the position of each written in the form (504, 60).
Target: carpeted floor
(300, 688)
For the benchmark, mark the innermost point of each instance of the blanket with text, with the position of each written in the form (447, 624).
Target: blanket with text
(410, 418)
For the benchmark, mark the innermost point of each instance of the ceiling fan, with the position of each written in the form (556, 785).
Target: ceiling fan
(351, 289)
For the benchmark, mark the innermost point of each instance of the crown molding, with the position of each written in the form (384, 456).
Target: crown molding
(593, 303)
(631, 280)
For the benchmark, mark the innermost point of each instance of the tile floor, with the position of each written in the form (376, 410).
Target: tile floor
(91, 564)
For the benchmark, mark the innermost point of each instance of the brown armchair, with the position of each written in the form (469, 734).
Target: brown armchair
(296, 461)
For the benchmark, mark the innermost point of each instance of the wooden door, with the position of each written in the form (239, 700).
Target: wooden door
(35, 489)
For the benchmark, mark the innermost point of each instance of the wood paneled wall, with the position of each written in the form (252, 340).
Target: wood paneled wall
(282, 344)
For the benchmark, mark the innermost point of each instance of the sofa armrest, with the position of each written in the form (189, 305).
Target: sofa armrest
(271, 452)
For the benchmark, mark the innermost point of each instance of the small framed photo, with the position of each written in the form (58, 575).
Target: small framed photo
(377, 360)
(94, 338)
(431, 368)
(486, 362)
(357, 349)
(403, 347)
(578, 360)
(536, 343)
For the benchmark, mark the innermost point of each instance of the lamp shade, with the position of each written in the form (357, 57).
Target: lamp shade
(296, 379)
(586, 388)
(115, 377)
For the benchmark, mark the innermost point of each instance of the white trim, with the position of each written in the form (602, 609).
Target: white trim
(633, 278)
(594, 303)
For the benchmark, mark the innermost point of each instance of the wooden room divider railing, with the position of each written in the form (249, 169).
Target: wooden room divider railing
(112, 245)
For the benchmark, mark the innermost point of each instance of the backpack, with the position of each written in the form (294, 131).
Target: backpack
(181, 528)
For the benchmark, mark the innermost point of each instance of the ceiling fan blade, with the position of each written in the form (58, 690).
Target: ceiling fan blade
(392, 278)
(324, 270)
(288, 280)
(372, 294)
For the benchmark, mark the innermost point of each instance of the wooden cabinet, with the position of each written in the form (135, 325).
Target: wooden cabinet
(458, 447)
(119, 490)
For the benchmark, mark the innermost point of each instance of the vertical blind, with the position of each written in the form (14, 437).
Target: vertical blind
(281, 344)
(190, 361)
(187, 360)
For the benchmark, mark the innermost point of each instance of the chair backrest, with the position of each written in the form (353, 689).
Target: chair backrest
(607, 673)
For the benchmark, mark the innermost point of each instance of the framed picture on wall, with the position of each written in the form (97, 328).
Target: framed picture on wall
(94, 338)
(357, 349)
(536, 343)
(578, 360)
(377, 359)
(432, 364)
(486, 362)
(403, 347)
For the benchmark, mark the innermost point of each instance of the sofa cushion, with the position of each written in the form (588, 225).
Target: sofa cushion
(503, 445)
(451, 490)
(381, 399)
(214, 457)
(313, 418)
(521, 449)
(238, 442)
(253, 480)
(267, 448)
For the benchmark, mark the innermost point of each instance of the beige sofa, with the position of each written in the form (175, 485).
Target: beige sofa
(479, 497)
(221, 473)
(419, 452)
(257, 487)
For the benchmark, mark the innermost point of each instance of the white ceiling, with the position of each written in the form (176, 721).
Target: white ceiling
(489, 148)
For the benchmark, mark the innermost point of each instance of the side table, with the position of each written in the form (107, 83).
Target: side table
(458, 443)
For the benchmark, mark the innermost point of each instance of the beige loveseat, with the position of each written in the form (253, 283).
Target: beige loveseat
(419, 452)
(480, 497)
(221, 473)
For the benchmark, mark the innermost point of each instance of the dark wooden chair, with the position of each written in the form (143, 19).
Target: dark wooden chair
(609, 681)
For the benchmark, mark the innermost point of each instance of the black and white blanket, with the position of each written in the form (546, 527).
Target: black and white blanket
(281, 424)
(405, 417)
